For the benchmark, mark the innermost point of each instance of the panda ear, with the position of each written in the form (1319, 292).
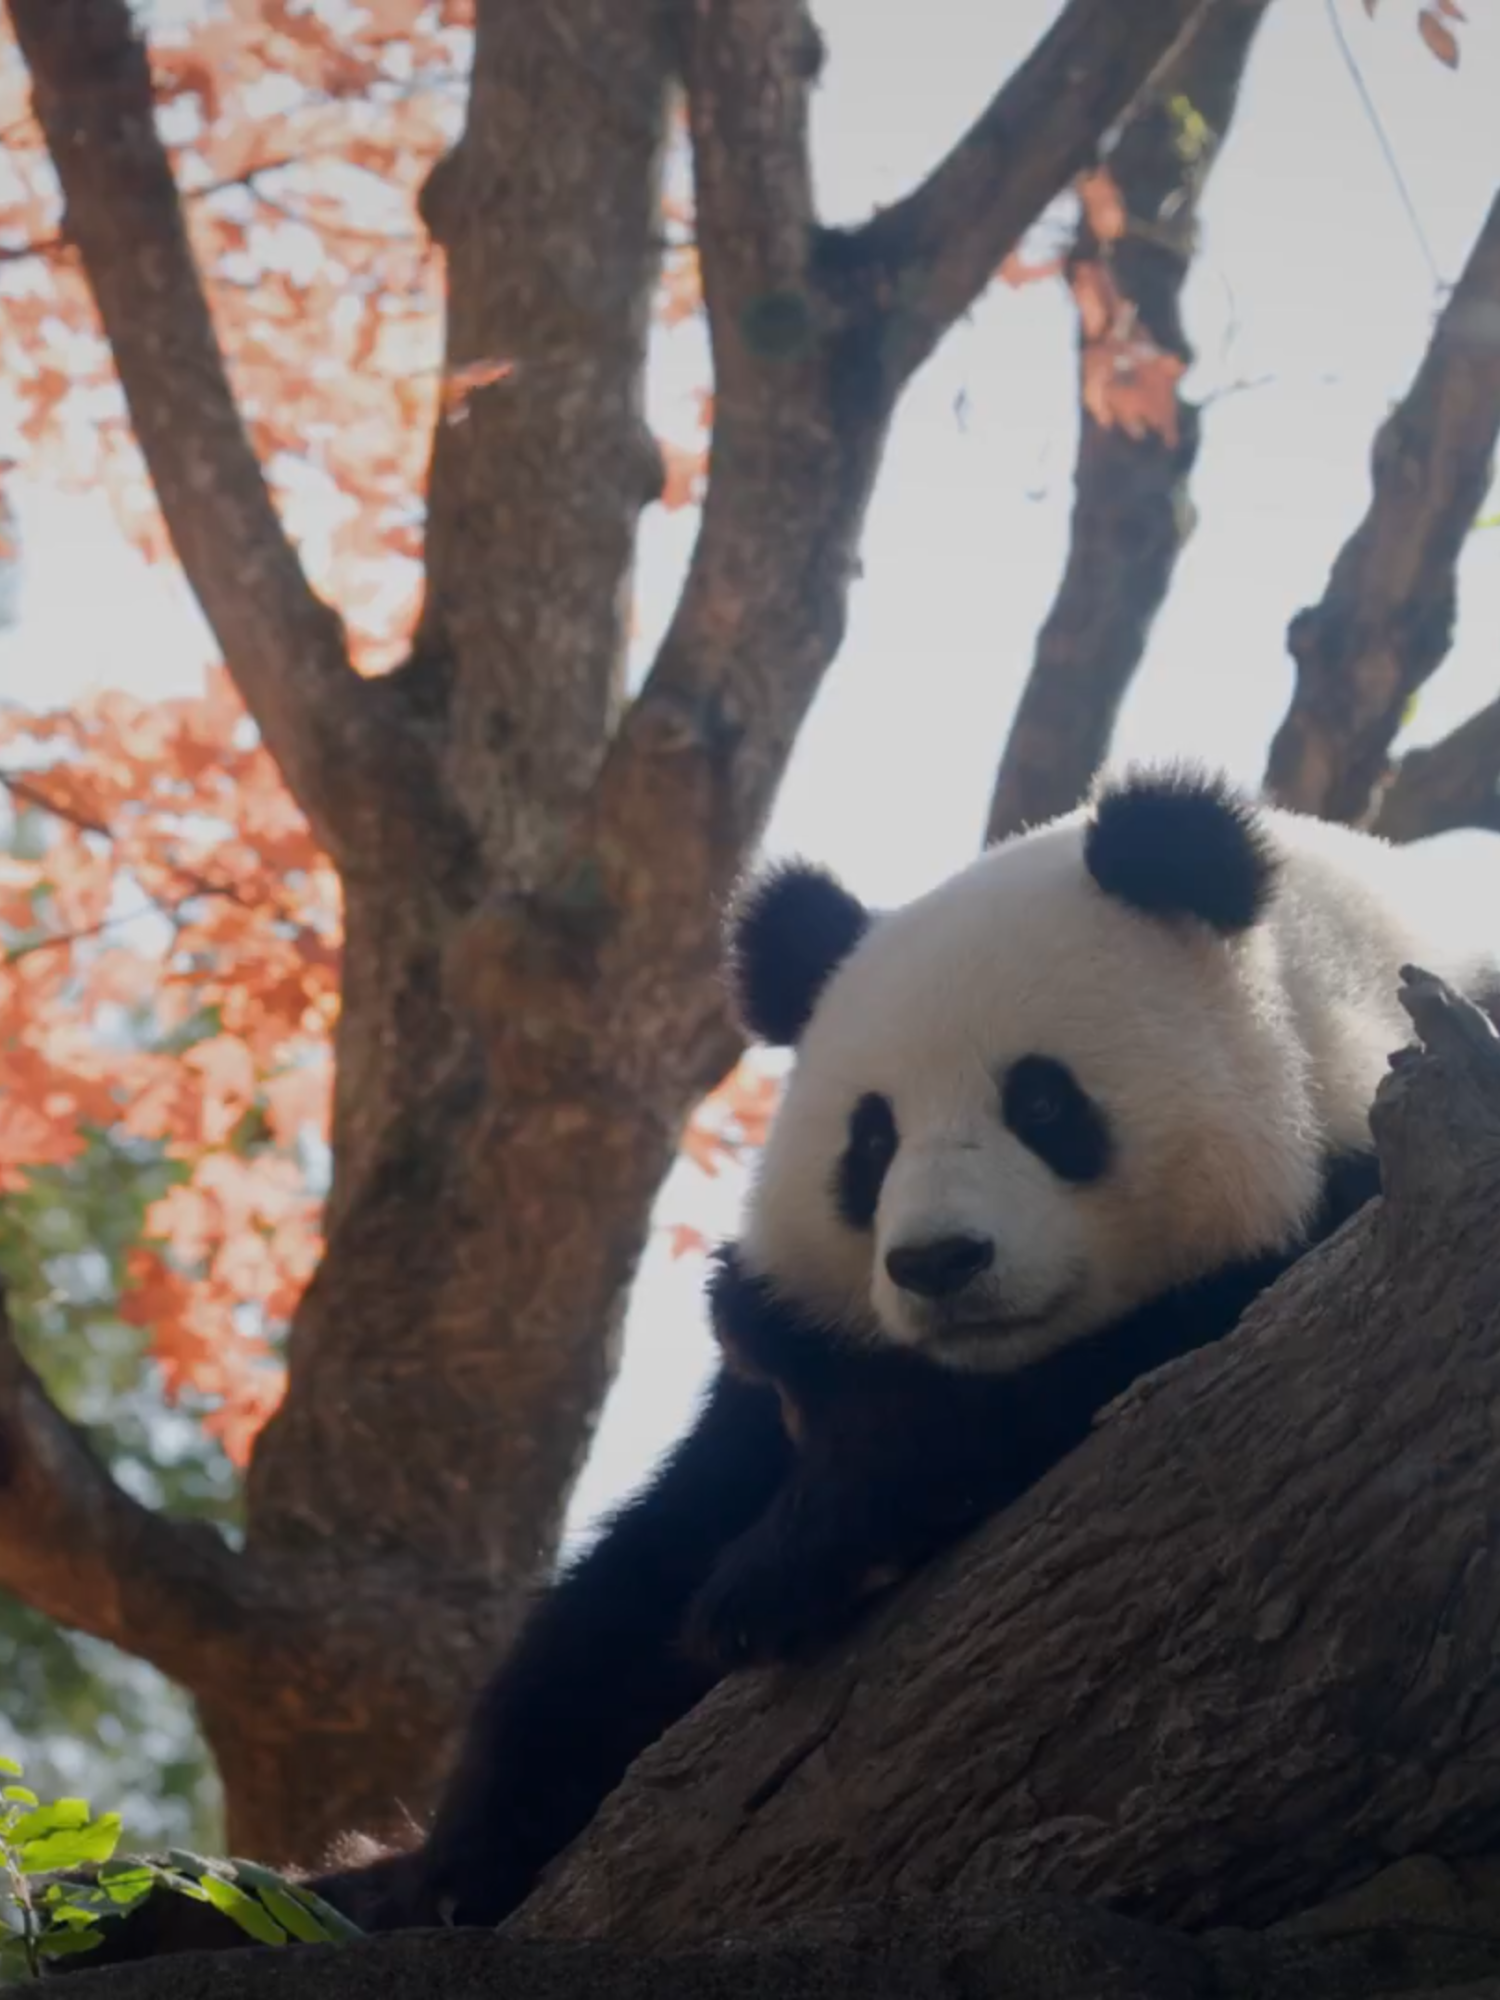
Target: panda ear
(789, 930)
(1182, 842)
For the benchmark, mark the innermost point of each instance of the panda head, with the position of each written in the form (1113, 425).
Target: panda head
(1062, 1081)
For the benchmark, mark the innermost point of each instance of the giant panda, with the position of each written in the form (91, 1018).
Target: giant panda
(1049, 1126)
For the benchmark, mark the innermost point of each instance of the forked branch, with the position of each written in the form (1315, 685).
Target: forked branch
(1451, 784)
(815, 332)
(942, 243)
(1385, 621)
(91, 84)
(82, 1551)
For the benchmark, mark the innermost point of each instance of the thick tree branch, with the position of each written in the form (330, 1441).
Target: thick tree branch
(942, 243)
(1130, 507)
(941, 1947)
(1385, 621)
(91, 84)
(799, 411)
(79, 1549)
(814, 333)
(549, 211)
(750, 64)
(1451, 784)
(488, 1202)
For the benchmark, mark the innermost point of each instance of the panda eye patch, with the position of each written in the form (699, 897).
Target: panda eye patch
(865, 1160)
(1050, 1112)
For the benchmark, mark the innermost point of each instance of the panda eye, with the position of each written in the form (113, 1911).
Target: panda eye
(1042, 1105)
(1050, 1112)
(874, 1137)
(868, 1151)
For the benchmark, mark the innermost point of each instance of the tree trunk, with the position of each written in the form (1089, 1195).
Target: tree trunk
(1228, 1659)
(533, 869)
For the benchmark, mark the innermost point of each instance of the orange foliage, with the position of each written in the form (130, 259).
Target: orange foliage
(1128, 382)
(685, 474)
(734, 1119)
(301, 132)
(181, 891)
(686, 466)
(1437, 35)
(300, 140)
(1103, 205)
(1432, 26)
(179, 885)
(729, 1125)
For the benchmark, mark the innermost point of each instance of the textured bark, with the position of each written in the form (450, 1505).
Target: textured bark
(92, 95)
(1006, 1948)
(1231, 1657)
(940, 245)
(1131, 516)
(533, 872)
(76, 1546)
(1452, 784)
(1385, 622)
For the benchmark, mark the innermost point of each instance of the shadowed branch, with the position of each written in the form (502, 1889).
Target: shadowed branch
(1449, 785)
(82, 1551)
(941, 244)
(1130, 508)
(1385, 621)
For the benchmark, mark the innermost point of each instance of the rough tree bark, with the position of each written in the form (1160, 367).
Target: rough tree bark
(1131, 515)
(1233, 1655)
(1385, 622)
(532, 871)
(1012, 1946)
(1450, 785)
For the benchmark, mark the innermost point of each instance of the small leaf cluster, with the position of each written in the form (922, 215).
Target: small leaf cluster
(51, 1919)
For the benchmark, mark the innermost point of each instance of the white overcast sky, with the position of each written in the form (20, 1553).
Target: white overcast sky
(1311, 276)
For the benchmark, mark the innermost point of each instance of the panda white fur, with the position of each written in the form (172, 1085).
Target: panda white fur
(1050, 1125)
(1083, 1102)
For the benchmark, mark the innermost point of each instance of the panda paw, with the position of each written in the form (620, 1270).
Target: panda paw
(741, 1618)
(757, 1611)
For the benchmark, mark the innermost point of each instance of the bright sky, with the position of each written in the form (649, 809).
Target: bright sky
(1313, 287)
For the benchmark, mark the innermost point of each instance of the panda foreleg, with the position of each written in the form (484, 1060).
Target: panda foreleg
(598, 1671)
(896, 1460)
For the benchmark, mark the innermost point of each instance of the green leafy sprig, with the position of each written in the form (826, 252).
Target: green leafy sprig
(54, 1919)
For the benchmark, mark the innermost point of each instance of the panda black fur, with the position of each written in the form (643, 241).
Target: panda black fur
(1050, 1126)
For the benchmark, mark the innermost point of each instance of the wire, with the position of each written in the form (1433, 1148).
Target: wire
(1383, 141)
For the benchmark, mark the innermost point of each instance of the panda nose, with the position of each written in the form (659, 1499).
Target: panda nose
(938, 1269)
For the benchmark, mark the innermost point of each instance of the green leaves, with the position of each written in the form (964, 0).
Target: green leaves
(277, 1909)
(247, 1913)
(304, 1913)
(66, 1845)
(35, 1839)
(55, 1919)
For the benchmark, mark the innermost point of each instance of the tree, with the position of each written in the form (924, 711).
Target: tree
(500, 870)
(85, 1721)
